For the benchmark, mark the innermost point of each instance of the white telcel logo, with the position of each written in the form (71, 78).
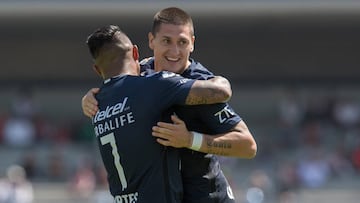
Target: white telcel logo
(110, 111)
(224, 113)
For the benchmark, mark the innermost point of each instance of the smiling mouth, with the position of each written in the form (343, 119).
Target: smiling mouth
(172, 59)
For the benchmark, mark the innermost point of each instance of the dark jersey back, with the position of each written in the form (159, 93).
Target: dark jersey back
(128, 108)
(202, 177)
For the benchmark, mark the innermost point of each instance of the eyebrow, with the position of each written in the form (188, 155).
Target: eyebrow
(181, 38)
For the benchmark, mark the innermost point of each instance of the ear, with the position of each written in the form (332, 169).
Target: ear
(193, 43)
(135, 53)
(97, 70)
(151, 39)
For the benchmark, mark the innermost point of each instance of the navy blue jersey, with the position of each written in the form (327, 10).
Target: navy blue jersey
(136, 164)
(202, 177)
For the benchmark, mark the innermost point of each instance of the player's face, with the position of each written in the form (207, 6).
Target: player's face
(172, 46)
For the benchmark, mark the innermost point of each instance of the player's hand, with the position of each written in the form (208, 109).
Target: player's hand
(172, 134)
(89, 104)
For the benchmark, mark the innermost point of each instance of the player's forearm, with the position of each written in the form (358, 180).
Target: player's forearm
(237, 143)
(233, 144)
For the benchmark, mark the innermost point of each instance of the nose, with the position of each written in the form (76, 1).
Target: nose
(175, 49)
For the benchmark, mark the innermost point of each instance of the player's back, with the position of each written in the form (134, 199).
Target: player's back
(136, 164)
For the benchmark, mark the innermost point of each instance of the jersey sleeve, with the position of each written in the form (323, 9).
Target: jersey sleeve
(173, 88)
(219, 118)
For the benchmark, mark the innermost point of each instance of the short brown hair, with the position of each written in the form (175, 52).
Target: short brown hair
(172, 15)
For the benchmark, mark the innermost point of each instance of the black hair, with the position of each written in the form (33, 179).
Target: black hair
(100, 37)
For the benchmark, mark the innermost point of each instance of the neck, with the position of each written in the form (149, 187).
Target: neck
(125, 69)
(117, 73)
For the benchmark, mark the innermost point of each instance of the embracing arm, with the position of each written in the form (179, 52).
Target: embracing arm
(215, 90)
(238, 142)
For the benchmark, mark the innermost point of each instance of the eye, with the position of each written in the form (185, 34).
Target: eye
(183, 42)
(166, 41)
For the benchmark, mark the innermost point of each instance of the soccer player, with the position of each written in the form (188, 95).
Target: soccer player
(218, 129)
(123, 123)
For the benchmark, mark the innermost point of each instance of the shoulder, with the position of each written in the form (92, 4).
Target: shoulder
(166, 79)
(163, 75)
(147, 65)
(197, 71)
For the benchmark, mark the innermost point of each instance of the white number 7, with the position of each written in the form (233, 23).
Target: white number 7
(110, 138)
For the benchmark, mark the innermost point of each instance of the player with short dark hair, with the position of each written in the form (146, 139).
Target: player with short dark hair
(217, 129)
(129, 106)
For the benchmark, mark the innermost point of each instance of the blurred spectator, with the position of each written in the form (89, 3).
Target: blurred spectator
(3, 119)
(260, 187)
(23, 105)
(286, 177)
(63, 133)
(339, 163)
(290, 112)
(287, 182)
(355, 158)
(311, 134)
(288, 197)
(102, 193)
(30, 165)
(46, 130)
(255, 195)
(16, 188)
(83, 182)
(318, 108)
(19, 129)
(56, 168)
(346, 113)
(19, 132)
(313, 170)
(54, 133)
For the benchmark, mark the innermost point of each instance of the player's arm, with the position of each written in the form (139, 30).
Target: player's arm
(238, 142)
(215, 90)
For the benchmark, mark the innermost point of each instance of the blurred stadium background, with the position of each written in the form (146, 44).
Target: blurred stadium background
(294, 66)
